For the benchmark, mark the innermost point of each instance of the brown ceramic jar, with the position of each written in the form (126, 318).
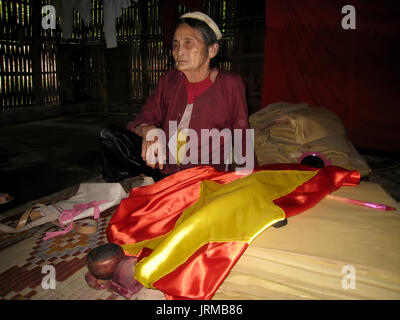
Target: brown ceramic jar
(103, 260)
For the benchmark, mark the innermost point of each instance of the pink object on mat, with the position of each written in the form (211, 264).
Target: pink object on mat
(123, 281)
(372, 205)
(68, 215)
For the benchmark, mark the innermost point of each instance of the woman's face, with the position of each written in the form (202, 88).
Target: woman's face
(189, 50)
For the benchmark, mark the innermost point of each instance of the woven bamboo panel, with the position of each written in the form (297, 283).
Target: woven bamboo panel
(74, 70)
(15, 49)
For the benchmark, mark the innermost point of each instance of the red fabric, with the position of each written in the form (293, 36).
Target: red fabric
(202, 274)
(310, 193)
(194, 90)
(310, 58)
(153, 210)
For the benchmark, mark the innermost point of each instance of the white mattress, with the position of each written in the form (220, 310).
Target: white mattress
(323, 252)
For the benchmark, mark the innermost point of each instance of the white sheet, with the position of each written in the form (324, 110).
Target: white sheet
(305, 258)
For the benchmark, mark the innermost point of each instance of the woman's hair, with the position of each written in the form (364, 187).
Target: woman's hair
(209, 36)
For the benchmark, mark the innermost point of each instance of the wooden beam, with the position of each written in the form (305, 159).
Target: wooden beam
(36, 18)
(144, 46)
(104, 74)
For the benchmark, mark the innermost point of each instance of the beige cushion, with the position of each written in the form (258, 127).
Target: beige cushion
(283, 132)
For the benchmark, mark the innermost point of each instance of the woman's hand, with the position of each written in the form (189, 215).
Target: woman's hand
(153, 152)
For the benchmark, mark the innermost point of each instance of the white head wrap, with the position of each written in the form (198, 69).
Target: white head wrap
(205, 18)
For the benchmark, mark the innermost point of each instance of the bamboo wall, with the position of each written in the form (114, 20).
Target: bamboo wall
(39, 67)
(16, 75)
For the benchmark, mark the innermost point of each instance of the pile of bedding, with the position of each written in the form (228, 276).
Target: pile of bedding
(284, 132)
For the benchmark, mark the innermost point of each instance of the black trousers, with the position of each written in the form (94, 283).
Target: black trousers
(121, 153)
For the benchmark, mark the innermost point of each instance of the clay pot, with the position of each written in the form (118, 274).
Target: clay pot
(103, 260)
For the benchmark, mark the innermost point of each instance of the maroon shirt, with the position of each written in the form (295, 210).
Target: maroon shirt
(222, 106)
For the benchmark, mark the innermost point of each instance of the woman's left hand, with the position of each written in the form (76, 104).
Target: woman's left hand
(153, 150)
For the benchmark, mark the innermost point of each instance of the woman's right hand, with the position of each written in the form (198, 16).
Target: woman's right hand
(153, 152)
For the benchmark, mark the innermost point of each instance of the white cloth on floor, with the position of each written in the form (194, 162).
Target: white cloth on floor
(110, 193)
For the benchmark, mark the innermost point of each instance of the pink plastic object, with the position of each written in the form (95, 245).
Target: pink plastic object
(68, 215)
(123, 281)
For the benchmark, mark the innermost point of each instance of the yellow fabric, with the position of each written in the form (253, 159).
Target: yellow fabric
(236, 211)
(305, 259)
(181, 146)
(136, 247)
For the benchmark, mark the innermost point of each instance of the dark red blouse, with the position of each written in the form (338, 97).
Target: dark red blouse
(222, 106)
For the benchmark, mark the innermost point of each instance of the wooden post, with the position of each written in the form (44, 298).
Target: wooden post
(130, 97)
(103, 70)
(36, 55)
(144, 47)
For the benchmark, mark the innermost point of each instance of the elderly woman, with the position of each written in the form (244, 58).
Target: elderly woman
(193, 117)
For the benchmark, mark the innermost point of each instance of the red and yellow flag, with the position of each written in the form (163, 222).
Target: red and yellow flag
(189, 229)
